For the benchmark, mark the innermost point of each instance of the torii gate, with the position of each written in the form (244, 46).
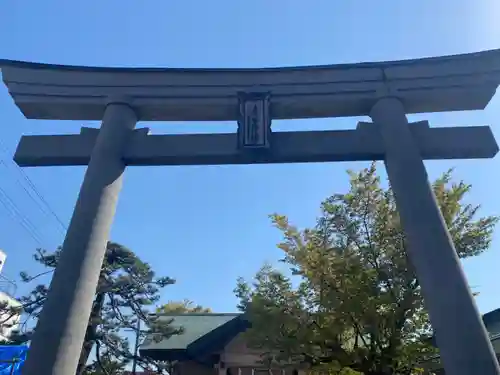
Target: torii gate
(385, 91)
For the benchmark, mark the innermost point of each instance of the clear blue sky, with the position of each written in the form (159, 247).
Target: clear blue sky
(206, 226)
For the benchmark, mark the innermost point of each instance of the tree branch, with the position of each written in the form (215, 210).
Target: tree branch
(98, 358)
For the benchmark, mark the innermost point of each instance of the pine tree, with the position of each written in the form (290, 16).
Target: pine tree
(182, 307)
(123, 306)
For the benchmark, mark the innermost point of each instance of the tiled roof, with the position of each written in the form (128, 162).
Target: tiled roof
(491, 317)
(195, 326)
(203, 335)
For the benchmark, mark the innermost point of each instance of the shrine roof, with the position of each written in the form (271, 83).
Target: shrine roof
(447, 83)
(492, 318)
(203, 334)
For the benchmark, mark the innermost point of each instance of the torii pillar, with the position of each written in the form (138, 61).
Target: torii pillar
(124, 96)
(431, 250)
(64, 317)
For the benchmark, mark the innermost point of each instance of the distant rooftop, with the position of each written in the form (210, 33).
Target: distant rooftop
(204, 333)
(491, 317)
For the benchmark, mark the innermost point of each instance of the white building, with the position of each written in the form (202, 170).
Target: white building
(9, 321)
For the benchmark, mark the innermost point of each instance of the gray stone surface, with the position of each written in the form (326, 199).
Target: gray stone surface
(55, 348)
(462, 82)
(460, 333)
(365, 143)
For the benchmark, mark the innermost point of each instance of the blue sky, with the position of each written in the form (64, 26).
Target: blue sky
(206, 226)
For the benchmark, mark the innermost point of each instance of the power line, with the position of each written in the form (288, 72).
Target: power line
(42, 203)
(31, 190)
(13, 210)
(30, 194)
(41, 197)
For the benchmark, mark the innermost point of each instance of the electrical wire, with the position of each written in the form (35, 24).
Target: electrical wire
(14, 212)
(33, 193)
(38, 199)
(42, 203)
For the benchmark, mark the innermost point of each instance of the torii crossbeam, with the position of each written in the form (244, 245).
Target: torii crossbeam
(364, 143)
(386, 92)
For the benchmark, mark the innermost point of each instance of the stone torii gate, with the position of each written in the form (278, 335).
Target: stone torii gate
(387, 92)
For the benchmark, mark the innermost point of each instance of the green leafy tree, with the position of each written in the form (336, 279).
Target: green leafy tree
(121, 311)
(182, 307)
(353, 301)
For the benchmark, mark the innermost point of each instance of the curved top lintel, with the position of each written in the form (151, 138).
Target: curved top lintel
(381, 64)
(448, 83)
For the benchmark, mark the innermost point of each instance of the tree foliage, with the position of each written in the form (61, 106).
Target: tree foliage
(182, 307)
(353, 301)
(121, 311)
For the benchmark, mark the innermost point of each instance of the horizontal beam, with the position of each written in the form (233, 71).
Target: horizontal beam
(448, 83)
(364, 143)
